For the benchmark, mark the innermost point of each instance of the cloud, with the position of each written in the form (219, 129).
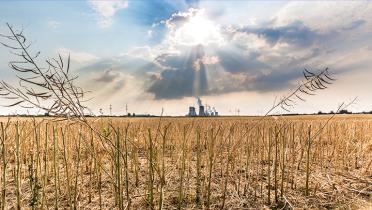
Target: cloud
(261, 57)
(106, 9)
(295, 33)
(127, 72)
(140, 52)
(180, 77)
(254, 58)
(79, 57)
(116, 80)
(355, 24)
(191, 28)
(324, 15)
(53, 24)
(179, 18)
(107, 76)
(108, 80)
(127, 63)
(205, 60)
(209, 60)
(234, 62)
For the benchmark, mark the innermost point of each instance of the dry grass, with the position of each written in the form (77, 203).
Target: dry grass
(188, 163)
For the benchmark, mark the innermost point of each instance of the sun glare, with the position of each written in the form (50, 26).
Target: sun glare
(199, 30)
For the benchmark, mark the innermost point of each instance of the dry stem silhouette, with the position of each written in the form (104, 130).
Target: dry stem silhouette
(47, 86)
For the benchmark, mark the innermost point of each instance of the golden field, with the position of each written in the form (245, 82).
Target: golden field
(294, 162)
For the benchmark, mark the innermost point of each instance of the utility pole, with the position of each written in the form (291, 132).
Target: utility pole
(126, 108)
(110, 110)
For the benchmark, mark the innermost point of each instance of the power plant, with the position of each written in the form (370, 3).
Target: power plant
(203, 110)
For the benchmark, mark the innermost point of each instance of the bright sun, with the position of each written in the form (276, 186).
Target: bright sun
(199, 30)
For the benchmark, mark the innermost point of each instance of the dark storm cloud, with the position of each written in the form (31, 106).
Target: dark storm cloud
(181, 77)
(296, 34)
(279, 79)
(275, 72)
(245, 69)
(235, 62)
(282, 76)
(172, 61)
(241, 68)
(276, 80)
(262, 77)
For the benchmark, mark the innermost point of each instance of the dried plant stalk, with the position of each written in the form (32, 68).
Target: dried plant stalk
(4, 166)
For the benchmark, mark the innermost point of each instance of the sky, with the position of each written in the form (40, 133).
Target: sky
(153, 55)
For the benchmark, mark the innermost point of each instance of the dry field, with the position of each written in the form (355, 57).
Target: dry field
(187, 163)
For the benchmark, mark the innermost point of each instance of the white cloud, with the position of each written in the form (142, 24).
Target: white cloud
(145, 52)
(150, 33)
(53, 24)
(206, 60)
(106, 9)
(80, 57)
(250, 41)
(210, 60)
(324, 15)
(193, 27)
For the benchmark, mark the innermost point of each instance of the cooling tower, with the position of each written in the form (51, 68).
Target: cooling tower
(192, 111)
(201, 111)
